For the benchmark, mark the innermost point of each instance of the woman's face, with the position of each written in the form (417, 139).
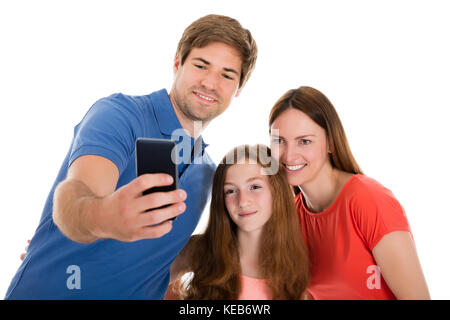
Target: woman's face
(248, 198)
(300, 145)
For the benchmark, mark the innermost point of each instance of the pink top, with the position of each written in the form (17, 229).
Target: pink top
(254, 289)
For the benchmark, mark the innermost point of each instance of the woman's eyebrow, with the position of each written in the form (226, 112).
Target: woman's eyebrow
(299, 137)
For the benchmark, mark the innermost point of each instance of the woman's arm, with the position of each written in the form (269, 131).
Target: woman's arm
(396, 256)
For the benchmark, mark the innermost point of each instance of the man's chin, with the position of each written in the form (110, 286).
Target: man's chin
(200, 113)
(202, 117)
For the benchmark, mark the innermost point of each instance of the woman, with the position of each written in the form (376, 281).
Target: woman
(357, 234)
(252, 247)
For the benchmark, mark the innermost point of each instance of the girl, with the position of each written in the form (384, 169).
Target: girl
(252, 247)
(357, 234)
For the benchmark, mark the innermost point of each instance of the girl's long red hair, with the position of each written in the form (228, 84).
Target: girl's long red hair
(213, 256)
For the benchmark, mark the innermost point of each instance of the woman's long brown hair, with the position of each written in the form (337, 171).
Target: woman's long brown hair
(316, 105)
(213, 256)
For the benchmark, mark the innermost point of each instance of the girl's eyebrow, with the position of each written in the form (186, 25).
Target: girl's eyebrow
(253, 178)
(248, 180)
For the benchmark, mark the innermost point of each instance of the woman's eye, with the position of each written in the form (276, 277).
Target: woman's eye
(229, 191)
(305, 141)
(254, 187)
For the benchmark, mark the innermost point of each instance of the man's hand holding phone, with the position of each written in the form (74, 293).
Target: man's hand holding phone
(86, 208)
(124, 216)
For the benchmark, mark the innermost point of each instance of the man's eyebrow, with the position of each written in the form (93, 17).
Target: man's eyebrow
(231, 70)
(202, 60)
(208, 63)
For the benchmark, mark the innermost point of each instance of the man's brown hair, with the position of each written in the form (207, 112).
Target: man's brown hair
(217, 28)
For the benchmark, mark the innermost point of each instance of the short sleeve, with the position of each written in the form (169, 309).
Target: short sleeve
(109, 129)
(377, 213)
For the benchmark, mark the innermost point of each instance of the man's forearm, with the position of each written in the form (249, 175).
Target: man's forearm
(74, 210)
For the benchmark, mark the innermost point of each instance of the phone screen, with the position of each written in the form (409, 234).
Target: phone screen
(157, 156)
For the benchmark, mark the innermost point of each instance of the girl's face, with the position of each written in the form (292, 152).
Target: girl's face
(248, 198)
(300, 145)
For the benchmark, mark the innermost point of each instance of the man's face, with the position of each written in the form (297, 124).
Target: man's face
(206, 83)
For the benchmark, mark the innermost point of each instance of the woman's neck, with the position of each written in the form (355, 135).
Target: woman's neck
(322, 191)
(249, 249)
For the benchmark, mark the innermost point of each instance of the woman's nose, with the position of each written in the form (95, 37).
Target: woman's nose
(291, 155)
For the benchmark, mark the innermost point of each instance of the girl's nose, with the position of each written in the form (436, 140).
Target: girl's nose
(244, 200)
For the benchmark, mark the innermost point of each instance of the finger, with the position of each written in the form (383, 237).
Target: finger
(159, 199)
(157, 216)
(22, 256)
(147, 181)
(155, 231)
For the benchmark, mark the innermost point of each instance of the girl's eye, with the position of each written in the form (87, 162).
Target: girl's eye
(276, 140)
(255, 187)
(229, 191)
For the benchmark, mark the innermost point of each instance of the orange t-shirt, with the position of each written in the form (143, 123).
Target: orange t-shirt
(340, 240)
(254, 289)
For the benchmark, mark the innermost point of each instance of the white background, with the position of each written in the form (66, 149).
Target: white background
(384, 65)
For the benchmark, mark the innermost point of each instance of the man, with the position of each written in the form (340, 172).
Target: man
(95, 239)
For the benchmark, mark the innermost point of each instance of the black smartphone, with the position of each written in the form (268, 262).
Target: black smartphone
(157, 156)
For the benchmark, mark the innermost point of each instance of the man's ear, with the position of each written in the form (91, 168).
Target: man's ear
(176, 64)
(238, 92)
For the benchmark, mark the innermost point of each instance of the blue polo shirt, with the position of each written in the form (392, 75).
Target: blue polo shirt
(56, 267)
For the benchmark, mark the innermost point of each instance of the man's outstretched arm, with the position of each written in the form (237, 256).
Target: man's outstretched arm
(86, 206)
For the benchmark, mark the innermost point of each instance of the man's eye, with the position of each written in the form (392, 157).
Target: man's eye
(228, 77)
(199, 66)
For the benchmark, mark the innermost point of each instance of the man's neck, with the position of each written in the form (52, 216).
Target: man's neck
(193, 128)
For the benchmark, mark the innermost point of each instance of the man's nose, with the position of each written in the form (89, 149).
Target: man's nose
(210, 80)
